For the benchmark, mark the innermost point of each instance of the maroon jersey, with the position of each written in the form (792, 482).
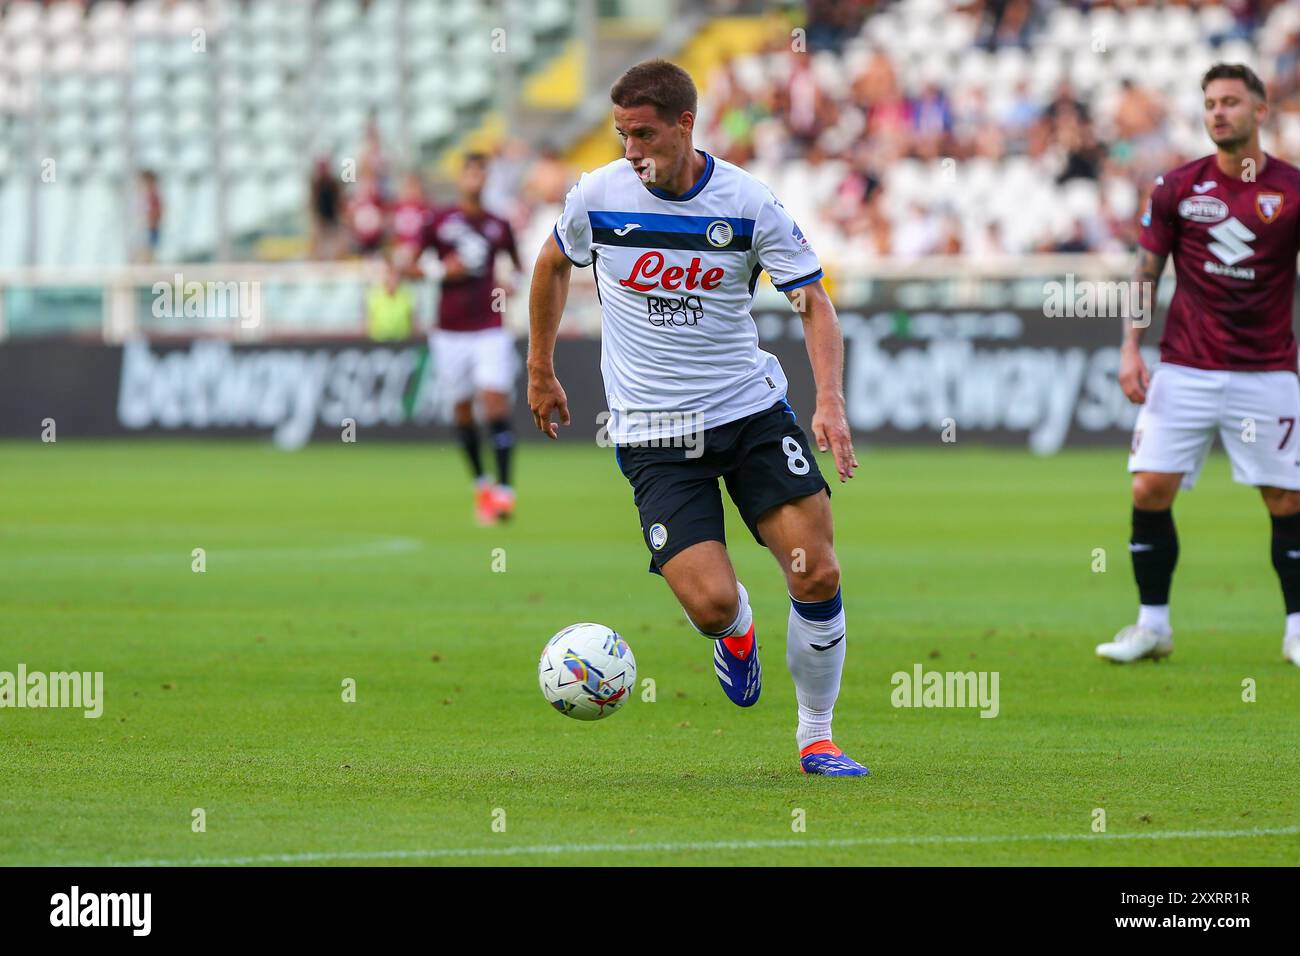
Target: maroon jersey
(1234, 245)
(466, 303)
(410, 219)
(366, 215)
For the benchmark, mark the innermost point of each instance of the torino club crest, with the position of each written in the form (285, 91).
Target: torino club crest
(1268, 205)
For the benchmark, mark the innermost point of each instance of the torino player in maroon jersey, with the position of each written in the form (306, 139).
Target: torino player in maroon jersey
(1231, 220)
(409, 223)
(474, 353)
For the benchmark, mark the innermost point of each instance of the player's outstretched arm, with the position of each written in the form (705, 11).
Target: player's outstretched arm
(546, 300)
(825, 342)
(1133, 375)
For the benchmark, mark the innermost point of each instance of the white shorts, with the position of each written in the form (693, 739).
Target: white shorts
(472, 362)
(1255, 414)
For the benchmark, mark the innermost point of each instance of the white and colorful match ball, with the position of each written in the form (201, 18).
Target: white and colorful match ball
(587, 671)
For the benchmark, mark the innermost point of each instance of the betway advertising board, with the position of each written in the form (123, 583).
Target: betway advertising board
(999, 376)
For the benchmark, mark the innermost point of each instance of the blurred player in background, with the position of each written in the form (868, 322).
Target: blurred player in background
(474, 352)
(1231, 220)
(410, 221)
(367, 215)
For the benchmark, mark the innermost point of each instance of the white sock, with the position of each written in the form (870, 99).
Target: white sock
(1156, 617)
(1293, 625)
(744, 618)
(816, 673)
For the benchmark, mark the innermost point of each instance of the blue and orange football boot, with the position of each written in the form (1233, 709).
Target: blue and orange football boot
(735, 661)
(826, 759)
(485, 505)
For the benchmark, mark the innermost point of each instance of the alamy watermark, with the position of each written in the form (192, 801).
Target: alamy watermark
(130, 910)
(922, 688)
(659, 428)
(81, 690)
(179, 299)
(1086, 299)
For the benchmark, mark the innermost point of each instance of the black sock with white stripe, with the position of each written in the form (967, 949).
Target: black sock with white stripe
(1286, 560)
(1154, 548)
(468, 437)
(503, 440)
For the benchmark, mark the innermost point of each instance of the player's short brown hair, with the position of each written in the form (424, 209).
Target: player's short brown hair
(658, 83)
(1235, 71)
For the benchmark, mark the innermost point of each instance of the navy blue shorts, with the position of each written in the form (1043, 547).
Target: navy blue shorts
(764, 459)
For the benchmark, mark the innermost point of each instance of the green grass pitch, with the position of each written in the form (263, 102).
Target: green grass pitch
(224, 688)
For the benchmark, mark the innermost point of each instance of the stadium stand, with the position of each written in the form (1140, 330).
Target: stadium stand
(927, 133)
(987, 131)
(226, 99)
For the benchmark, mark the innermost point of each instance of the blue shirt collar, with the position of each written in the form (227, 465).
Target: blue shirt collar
(694, 190)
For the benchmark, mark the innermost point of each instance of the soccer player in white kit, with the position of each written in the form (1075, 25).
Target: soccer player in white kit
(1231, 221)
(677, 239)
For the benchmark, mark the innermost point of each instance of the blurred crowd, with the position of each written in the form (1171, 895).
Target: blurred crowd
(368, 207)
(872, 121)
(858, 127)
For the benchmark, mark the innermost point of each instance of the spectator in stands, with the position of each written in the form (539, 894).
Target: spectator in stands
(1004, 23)
(735, 119)
(1066, 105)
(549, 178)
(151, 215)
(324, 240)
(849, 204)
(1082, 153)
(918, 234)
(1140, 143)
(949, 241)
(1137, 113)
(1284, 91)
(832, 22)
(988, 242)
(803, 104)
(1115, 233)
(374, 161)
(1021, 109)
(932, 121)
(390, 307)
(1075, 242)
(1246, 19)
(890, 114)
(503, 193)
(876, 79)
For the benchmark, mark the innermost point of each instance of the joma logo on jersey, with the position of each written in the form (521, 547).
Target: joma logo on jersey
(650, 265)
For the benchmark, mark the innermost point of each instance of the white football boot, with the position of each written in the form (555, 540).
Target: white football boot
(1133, 643)
(1291, 649)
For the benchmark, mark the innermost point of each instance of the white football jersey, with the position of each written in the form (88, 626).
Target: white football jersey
(676, 278)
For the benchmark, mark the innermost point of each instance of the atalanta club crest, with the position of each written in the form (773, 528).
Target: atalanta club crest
(719, 233)
(1268, 205)
(658, 536)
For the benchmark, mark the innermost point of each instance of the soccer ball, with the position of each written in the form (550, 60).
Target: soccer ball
(587, 671)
